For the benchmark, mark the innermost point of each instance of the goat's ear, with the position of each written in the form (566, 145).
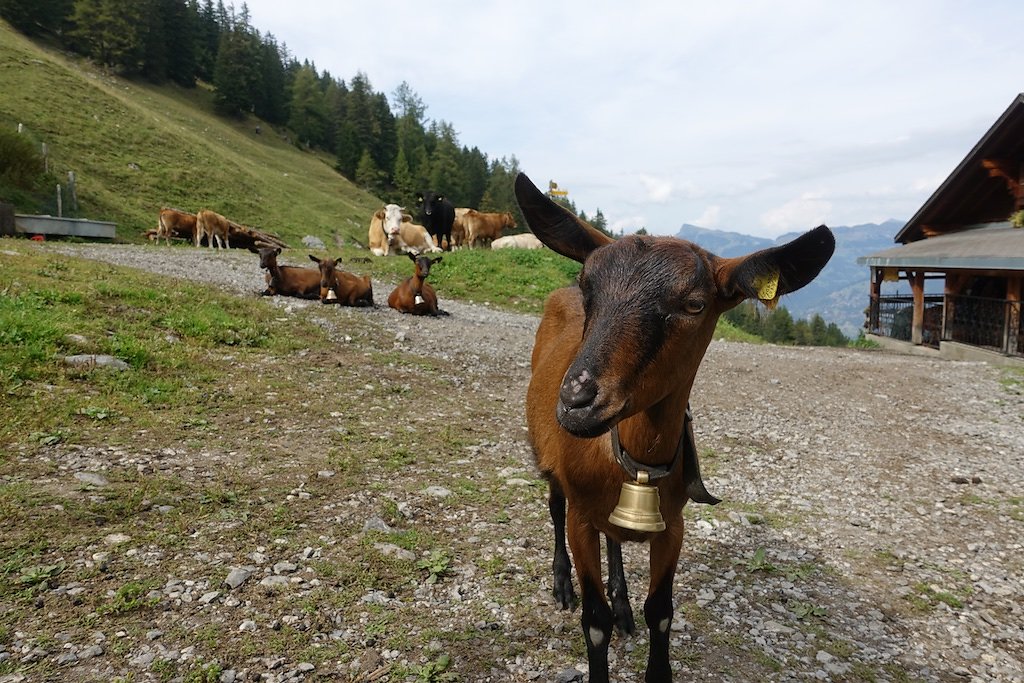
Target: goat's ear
(419, 197)
(337, 261)
(412, 256)
(556, 226)
(314, 259)
(437, 260)
(770, 273)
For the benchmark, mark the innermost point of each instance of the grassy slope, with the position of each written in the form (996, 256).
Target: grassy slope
(135, 147)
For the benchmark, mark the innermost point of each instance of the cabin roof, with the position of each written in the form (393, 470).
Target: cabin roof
(971, 196)
(993, 247)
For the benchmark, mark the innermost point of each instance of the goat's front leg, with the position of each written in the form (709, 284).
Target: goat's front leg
(597, 618)
(617, 592)
(658, 610)
(561, 567)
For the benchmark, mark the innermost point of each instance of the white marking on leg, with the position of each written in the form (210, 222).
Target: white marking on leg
(664, 625)
(596, 636)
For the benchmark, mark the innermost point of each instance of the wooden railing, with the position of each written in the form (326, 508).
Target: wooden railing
(994, 324)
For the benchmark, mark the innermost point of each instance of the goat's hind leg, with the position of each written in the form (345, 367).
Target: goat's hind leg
(561, 566)
(618, 595)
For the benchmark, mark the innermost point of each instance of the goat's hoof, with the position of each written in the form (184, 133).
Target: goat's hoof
(565, 596)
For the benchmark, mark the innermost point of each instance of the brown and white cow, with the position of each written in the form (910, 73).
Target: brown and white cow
(391, 229)
(213, 226)
(175, 223)
(483, 228)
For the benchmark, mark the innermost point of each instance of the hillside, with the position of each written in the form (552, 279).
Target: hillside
(840, 293)
(135, 147)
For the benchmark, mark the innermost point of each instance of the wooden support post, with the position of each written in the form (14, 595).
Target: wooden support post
(72, 192)
(917, 289)
(60, 210)
(1014, 292)
(6, 219)
(875, 300)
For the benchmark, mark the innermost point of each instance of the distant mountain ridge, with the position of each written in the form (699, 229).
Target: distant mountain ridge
(840, 293)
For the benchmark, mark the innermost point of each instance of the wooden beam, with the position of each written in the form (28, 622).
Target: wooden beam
(1010, 171)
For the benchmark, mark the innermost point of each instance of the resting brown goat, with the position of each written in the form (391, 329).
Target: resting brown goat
(619, 353)
(414, 295)
(340, 287)
(287, 280)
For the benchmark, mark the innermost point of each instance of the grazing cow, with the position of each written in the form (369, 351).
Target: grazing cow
(438, 217)
(483, 228)
(175, 223)
(303, 283)
(613, 364)
(526, 240)
(459, 228)
(340, 287)
(415, 295)
(214, 227)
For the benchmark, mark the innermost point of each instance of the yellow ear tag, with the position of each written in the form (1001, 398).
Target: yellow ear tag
(767, 287)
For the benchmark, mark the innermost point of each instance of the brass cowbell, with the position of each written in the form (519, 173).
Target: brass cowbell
(639, 506)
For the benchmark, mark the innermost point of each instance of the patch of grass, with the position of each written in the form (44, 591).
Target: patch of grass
(127, 314)
(128, 598)
(436, 564)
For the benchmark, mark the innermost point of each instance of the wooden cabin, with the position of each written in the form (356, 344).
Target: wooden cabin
(961, 257)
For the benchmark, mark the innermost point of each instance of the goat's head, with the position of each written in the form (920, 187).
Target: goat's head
(650, 306)
(423, 264)
(328, 277)
(268, 256)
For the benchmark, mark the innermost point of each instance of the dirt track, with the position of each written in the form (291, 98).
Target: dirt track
(872, 529)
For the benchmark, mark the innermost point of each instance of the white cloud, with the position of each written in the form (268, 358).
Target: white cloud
(708, 219)
(798, 214)
(657, 190)
(663, 109)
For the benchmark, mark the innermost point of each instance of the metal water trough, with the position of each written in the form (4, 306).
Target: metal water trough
(51, 225)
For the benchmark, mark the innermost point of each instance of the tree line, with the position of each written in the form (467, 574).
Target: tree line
(390, 148)
(778, 327)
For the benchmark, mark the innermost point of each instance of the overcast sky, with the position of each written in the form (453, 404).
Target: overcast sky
(756, 117)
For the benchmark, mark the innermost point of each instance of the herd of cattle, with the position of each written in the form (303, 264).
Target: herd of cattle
(392, 231)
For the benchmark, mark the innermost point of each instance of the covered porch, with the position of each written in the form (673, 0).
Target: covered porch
(965, 288)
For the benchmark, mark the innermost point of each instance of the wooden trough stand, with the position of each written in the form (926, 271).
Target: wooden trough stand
(51, 225)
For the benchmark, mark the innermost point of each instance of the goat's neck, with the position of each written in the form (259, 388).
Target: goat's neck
(652, 436)
(417, 284)
(275, 272)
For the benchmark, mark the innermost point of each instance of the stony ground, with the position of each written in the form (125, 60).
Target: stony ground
(872, 529)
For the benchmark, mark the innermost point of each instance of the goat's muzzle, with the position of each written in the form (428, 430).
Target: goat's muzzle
(578, 410)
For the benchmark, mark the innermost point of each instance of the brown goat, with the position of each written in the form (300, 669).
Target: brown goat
(303, 283)
(619, 353)
(340, 287)
(414, 295)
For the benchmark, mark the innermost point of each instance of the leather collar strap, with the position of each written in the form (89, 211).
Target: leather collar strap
(695, 489)
(643, 473)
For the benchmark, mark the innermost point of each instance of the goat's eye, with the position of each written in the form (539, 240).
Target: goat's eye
(693, 306)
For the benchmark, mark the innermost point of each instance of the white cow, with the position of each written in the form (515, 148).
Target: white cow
(525, 240)
(392, 229)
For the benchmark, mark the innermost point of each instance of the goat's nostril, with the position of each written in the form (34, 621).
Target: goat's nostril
(578, 389)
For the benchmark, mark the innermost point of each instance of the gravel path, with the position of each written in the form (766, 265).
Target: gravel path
(873, 528)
